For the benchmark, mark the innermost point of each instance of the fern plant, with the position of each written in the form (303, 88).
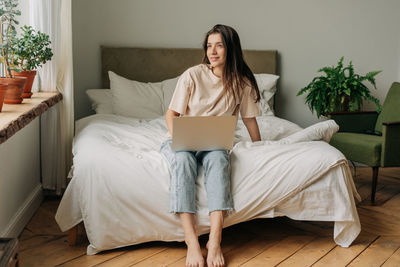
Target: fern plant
(340, 89)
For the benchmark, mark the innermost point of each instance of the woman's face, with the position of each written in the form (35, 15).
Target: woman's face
(216, 52)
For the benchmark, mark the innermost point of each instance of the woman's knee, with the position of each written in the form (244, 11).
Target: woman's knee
(218, 155)
(216, 158)
(187, 159)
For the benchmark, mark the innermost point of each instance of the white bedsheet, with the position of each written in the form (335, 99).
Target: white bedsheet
(120, 184)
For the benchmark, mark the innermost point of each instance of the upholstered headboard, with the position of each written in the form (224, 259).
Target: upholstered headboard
(157, 64)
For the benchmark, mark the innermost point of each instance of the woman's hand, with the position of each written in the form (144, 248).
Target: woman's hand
(168, 118)
(252, 128)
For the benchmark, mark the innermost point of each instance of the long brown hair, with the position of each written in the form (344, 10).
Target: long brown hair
(236, 74)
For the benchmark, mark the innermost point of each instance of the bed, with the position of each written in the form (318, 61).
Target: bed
(120, 180)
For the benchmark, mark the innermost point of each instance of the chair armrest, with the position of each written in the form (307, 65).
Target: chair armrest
(355, 121)
(390, 144)
(391, 123)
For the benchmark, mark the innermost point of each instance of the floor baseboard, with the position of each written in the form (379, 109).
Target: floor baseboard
(24, 214)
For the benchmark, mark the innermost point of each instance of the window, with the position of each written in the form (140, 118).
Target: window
(23, 19)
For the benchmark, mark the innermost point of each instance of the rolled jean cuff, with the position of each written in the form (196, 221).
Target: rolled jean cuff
(228, 210)
(177, 206)
(182, 211)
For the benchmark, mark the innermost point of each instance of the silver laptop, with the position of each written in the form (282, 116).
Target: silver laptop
(203, 133)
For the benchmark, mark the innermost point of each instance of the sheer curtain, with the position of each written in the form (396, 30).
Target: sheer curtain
(53, 17)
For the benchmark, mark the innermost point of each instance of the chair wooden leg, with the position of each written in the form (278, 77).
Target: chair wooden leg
(72, 235)
(374, 182)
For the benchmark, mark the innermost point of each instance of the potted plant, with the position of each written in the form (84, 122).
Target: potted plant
(3, 90)
(15, 85)
(31, 51)
(340, 89)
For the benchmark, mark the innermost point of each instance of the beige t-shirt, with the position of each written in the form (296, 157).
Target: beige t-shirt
(199, 92)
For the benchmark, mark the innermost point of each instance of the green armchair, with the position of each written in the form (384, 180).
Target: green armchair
(371, 138)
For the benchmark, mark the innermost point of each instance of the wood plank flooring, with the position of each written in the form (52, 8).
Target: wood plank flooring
(263, 242)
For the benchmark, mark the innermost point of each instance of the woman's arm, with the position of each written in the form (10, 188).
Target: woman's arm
(252, 128)
(169, 117)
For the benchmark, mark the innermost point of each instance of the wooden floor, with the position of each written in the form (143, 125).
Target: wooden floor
(266, 242)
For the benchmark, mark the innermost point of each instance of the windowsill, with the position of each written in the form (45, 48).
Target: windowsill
(15, 117)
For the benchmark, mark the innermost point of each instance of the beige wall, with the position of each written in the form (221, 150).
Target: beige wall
(20, 187)
(308, 35)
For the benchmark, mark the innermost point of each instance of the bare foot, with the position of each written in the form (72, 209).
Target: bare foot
(214, 255)
(194, 258)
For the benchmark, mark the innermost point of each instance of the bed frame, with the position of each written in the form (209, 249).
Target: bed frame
(157, 64)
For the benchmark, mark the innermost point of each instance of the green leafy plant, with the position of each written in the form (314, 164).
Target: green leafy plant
(31, 50)
(8, 13)
(340, 89)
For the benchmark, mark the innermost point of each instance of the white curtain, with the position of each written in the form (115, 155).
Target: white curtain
(53, 17)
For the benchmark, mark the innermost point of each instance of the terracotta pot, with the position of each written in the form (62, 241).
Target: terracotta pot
(30, 76)
(3, 89)
(14, 90)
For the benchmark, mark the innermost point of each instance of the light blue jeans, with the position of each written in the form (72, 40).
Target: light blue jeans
(183, 170)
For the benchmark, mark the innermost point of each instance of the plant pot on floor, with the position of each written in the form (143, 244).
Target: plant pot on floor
(3, 89)
(15, 87)
(30, 77)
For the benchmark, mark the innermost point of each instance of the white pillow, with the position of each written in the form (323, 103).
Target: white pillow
(101, 100)
(267, 86)
(135, 99)
(168, 88)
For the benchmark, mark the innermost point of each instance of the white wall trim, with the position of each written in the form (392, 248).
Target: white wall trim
(24, 213)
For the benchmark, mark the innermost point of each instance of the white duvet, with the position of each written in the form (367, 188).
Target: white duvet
(120, 184)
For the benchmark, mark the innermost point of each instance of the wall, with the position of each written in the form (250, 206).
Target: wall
(308, 35)
(20, 187)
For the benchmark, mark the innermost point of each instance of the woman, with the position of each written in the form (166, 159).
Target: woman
(222, 85)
